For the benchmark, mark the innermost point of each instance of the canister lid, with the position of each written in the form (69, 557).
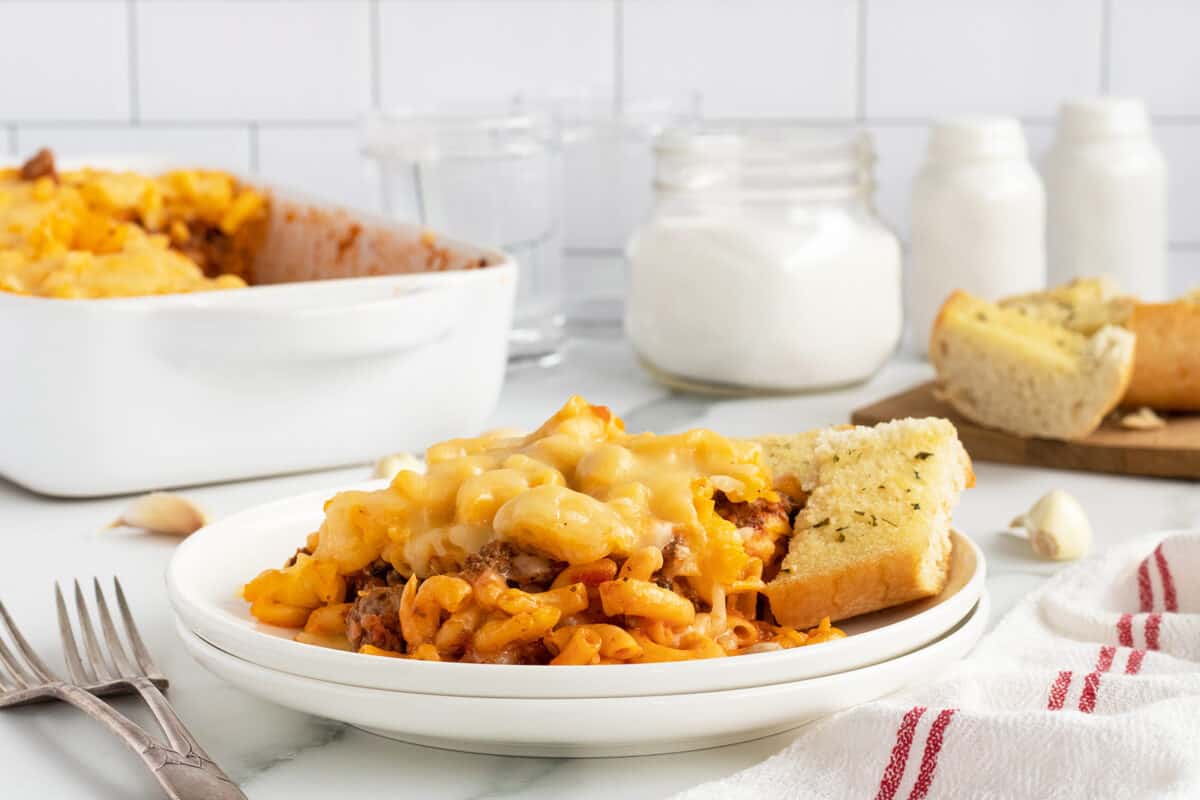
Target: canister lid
(1096, 117)
(968, 138)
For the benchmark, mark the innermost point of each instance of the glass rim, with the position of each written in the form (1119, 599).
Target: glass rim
(415, 135)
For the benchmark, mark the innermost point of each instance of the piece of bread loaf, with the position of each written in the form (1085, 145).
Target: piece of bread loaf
(1166, 365)
(874, 531)
(1166, 368)
(1007, 370)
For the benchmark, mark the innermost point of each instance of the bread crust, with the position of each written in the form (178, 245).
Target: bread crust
(1166, 367)
(866, 586)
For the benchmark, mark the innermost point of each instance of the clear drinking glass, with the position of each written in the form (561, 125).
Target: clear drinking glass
(489, 179)
(608, 164)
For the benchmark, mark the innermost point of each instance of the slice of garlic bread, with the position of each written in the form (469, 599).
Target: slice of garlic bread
(1007, 370)
(874, 531)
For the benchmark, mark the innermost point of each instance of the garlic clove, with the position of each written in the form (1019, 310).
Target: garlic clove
(163, 512)
(1058, 527)
(391, 465)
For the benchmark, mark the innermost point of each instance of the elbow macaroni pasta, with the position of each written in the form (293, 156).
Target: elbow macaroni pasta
(578, 544)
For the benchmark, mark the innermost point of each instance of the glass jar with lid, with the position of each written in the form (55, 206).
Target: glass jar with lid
(763, 266)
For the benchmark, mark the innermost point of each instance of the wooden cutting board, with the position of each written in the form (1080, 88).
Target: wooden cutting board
(1170, 452)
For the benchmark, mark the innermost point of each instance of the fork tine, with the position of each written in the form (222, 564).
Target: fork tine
(140, 652)
(103, 672)
(116, 650)
(75, 667)
(34, 664)
(10, 663)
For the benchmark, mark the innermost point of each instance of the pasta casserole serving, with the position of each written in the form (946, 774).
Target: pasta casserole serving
(580, 543)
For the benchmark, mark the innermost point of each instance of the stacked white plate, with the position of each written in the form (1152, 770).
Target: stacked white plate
(628, 709)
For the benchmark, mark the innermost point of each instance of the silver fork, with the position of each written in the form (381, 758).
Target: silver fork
(182, 768)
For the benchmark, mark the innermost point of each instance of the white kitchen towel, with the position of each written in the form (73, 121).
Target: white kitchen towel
(1089, 688)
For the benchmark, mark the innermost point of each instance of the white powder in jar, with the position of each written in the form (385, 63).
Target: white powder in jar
(801, 300)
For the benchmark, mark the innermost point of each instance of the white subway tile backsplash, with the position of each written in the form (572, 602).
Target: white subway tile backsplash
(223, 147)
(942, 57)
(751, 58)
(52, 70)
(466, 52)
(1185, 270)
(1155, 55)
(1181, 147)
(322, 161)
(253, 60)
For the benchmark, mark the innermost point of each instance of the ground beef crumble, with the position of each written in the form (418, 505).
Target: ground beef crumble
(374, 619)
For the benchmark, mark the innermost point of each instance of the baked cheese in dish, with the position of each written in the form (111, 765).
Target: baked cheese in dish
(93, 233)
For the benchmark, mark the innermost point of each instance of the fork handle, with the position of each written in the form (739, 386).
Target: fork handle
(182, 776)
(178, 736)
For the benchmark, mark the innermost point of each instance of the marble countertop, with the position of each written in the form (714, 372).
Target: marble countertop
(275, 753)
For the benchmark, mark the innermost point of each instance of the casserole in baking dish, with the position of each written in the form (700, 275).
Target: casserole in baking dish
(358, 336)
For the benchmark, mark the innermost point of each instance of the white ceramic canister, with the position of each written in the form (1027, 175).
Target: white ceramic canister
(1106, 193)
(763, 267)
(978, 219)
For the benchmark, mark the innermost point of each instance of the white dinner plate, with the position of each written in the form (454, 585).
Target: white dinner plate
(206, 575)
(606, 726)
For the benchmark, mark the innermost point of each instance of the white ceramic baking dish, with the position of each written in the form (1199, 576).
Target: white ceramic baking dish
(349, 351)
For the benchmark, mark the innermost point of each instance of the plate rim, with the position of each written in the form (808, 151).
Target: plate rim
(980, 609)
(551, 729)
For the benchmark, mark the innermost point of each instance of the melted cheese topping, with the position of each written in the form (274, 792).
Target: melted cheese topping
(577, 490)
(94, 233)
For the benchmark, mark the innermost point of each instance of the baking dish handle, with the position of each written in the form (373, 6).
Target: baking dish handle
(333, 326)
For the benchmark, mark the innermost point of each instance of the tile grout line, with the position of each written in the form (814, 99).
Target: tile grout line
(618, 56)
(860, 86)
(252, 132)
(1106, 10)
(131, 32)
(376, 48)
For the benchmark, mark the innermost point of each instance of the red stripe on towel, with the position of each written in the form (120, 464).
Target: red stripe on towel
(1134, 664)
(894, 772)
(1087, 699)
(1058, 691)
(1152, 623)
(1170, 600)
(1145, 592)
(1091, 684)
(933, 746)
(1125, 630)
(1104, 662)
